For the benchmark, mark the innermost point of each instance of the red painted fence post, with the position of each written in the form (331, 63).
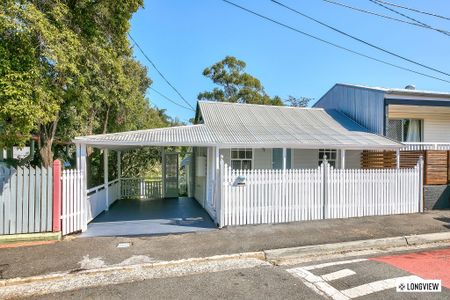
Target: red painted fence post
(56, 196)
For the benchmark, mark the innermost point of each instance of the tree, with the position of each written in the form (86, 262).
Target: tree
(298, 102)
(236, 85)
(66, 69)
(38, 58)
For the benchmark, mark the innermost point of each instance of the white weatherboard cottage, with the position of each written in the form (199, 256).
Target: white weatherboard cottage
(256, 164)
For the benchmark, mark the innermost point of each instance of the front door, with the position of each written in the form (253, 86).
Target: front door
(277, 158)
(171, 169)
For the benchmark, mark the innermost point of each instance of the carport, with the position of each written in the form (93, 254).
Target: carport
(126, 206)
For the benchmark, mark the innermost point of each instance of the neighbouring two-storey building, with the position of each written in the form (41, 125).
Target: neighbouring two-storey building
(418, 119)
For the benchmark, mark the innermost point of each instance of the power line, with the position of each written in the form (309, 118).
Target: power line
(416, 10)
(159, 72)
(331, 43)
(359, 40)
(408, 17)
(380, 15)
(170, 100)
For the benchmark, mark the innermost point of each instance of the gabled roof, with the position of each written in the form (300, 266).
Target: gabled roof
(255, 126)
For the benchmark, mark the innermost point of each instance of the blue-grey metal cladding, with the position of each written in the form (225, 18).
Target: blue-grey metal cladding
(365, 106)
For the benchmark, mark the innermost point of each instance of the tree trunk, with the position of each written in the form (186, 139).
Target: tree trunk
(47, 135)
(46, 152)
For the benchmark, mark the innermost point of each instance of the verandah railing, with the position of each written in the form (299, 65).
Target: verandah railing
(141, 188)
(278, 196)
(425, 146)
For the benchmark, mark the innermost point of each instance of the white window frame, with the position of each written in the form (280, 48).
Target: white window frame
(242, 159)
(328, 152)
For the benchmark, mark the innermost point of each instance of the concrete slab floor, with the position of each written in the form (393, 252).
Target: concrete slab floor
(128, 217)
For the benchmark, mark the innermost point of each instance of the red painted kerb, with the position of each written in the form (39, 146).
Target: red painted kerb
(56, 196)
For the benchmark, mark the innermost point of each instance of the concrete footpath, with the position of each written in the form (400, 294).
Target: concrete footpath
(75, 254)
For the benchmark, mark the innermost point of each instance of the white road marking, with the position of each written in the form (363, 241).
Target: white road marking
(320, 285)
(335, 263)
(373, 287)
(338, 274)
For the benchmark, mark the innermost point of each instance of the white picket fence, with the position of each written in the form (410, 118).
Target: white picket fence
(279, 196)
(73, 204)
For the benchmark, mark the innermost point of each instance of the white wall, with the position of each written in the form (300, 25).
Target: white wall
(200, 175)
(305, 158)
(262, 158)
(437, 130)
(226, 154)
(353, 159)
(301, 158)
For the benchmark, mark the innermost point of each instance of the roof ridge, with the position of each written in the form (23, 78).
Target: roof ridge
(256, 104)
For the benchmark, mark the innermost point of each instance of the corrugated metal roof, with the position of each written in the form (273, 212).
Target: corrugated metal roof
(257, 126)
(399, 90)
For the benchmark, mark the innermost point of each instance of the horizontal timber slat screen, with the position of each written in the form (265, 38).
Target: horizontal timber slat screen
(378, 159)
(436, 167)
(277, 196)
(26, 200)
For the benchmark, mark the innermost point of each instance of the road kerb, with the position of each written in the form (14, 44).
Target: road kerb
(299, 254)
(276, 256)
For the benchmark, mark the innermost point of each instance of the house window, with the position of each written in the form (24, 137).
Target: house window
(405, 130)
(241, 158)
(330, 154)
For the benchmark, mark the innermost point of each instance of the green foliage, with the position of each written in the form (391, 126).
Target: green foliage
(235, 84)
(298, 102)
(37, 61)
(66, 69)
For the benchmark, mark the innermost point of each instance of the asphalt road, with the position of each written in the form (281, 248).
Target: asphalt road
(70, 253)
(348, 278)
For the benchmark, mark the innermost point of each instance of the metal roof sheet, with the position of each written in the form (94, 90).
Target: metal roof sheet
(258, 126)
(399, 90)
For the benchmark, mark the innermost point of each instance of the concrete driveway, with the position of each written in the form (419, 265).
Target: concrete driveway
(131, 217)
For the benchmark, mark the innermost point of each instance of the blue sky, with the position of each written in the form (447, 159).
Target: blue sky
(183, 37)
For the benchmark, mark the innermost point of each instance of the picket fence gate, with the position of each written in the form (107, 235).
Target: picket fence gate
(279, 196)
(26, 197)
(73, 201)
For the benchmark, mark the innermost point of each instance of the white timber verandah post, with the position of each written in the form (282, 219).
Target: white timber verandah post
(163, 173)
(221, 205)
(421, 180)
(342, 159)
(397, 156)
(105, 177)
(284, 178)
(119, 171)
(217, 200)
(82, 168)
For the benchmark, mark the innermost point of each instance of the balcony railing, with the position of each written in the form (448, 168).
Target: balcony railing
(425, 146)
